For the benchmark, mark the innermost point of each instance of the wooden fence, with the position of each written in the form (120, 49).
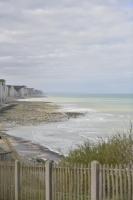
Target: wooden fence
(71, 182)
(50, 181)
(5, 156)
(116, 183)
(7, 183)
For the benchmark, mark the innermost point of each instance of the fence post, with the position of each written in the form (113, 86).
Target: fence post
(95, 180)
(48, 179)
(17, 179)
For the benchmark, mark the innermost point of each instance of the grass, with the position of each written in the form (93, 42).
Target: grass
(117, 149)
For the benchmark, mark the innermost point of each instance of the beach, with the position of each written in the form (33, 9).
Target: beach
(100, 117)
(60, 123)
(31, 113)
(23, 113)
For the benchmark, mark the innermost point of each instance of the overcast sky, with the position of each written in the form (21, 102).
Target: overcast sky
(81, 46)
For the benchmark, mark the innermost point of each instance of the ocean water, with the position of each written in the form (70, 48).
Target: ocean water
(104, 115)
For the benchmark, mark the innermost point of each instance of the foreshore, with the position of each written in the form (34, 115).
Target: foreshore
(30, 151)
(33, 113)
(24, 113)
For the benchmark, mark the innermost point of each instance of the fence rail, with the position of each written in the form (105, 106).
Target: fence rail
(50, 181)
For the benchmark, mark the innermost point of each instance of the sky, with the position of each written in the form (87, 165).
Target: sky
(67, 46)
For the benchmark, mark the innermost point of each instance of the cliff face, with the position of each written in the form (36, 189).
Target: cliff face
(3, 92)
(0, 93)
(11, 92)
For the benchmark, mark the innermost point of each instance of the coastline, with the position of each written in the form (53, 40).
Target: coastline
(21, 113)
(25, 113)
(32, 151)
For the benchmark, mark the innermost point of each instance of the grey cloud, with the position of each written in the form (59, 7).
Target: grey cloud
(61, 41)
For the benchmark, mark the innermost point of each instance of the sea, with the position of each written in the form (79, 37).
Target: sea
(104, 115)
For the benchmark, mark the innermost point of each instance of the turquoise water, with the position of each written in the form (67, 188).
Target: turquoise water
(104, 115)
(105, 103)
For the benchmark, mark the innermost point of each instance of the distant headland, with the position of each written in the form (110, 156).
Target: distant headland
(11, 92)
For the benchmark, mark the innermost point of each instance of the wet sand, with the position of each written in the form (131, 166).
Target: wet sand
(33, 152)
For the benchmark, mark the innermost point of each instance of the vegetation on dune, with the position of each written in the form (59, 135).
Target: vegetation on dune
(2, 81)
(117, 149)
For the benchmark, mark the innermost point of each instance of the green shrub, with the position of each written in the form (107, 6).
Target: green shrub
(117, 149)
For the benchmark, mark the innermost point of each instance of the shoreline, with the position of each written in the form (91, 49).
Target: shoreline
(24, 113)
(31, 151)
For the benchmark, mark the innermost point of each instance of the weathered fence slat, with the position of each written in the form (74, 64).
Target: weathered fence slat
(48, 180)
(17, 179)
(94, 180)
